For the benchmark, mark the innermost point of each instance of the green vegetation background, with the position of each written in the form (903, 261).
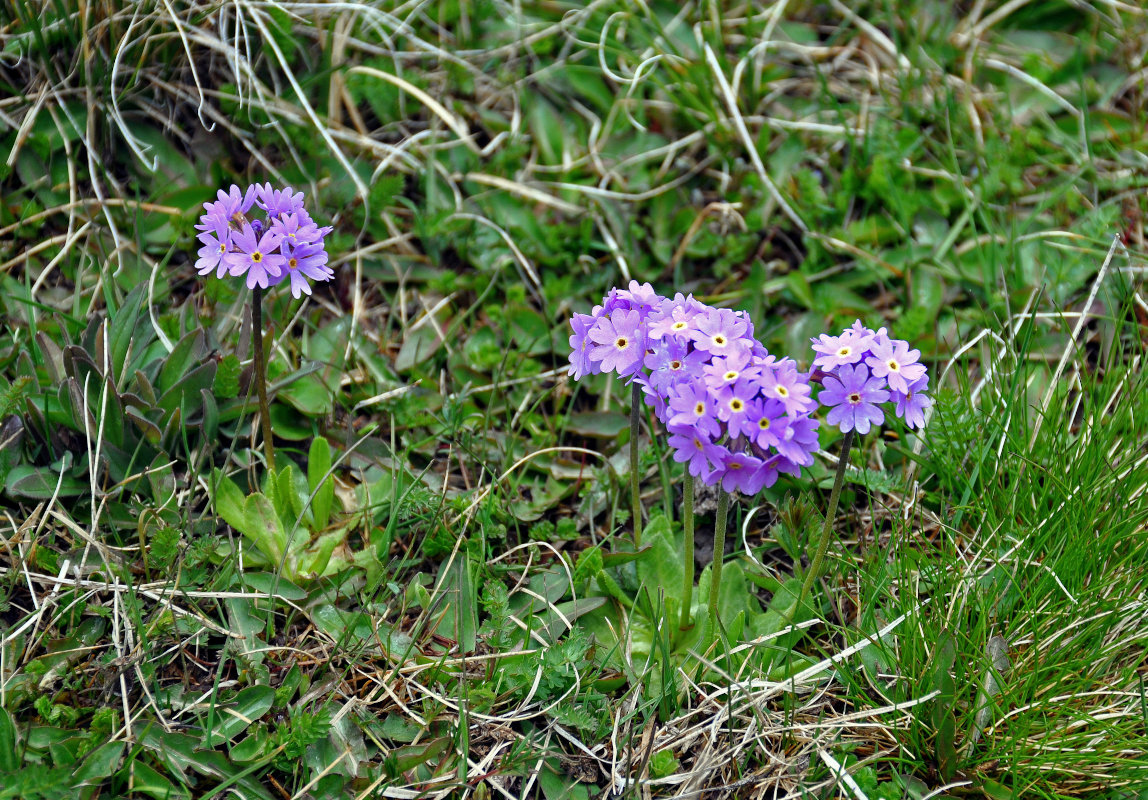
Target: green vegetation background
(408, 608)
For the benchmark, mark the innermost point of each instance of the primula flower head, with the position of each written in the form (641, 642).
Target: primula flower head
(863, 368)
(703, 373)
(285, 245)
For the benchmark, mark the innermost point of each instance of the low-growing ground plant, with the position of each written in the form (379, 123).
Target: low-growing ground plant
(572, 400)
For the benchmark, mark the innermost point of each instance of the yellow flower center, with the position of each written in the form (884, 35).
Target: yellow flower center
(621, 343)
(892, 365)
(736, 404)
(700, 409)
(292, 263)
(730, 376)
(782, 391)
(256, 257)
(719, 340)
(844, 351)
(855, 398)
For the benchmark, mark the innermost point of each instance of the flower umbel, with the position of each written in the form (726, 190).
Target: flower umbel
(285, 244)
(862, 368)
(736, 415)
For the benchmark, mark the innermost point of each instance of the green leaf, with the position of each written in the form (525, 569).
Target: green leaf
(662, 565)
(418, 346)
(227, 372)
(598, 424)
(228, 499)
(187, 352)
(186, 391)
(100, 763)
(261, 524)
(233, 718)
(942, 707)
(309, 395)
(40, 483)
(322, 485)
(8, 758)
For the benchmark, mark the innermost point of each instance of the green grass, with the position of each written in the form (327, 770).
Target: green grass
(460, 613)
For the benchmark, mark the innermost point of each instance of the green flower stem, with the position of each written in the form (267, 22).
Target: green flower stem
(635, 496)
(719, 556)
(688, 525)
(827, 529)
(261, 375)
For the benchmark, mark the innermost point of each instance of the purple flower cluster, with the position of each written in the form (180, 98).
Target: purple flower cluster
(286, 244)
(735, 414)
(862, 368)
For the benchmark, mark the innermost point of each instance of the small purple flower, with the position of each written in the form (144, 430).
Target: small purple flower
(892, 360)
(783, 383)
(733, 403)
(621, 344)
(911, 405)
(211, 255)
(580, 361)
(690, 405)
(278, 202)
(691, 446)
(667, 364)
(719, 332)
(303, 261)
(799, 441)
(256, 258)
(296, 229)
(641, 298)
(770, 424)
(853, 393)
(837, 351)
(724, 371)
(741, 472)
(673, 321)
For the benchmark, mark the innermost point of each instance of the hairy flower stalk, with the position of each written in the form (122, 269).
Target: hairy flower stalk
(715, 567)
(261, 376)
(284, 245)
(688, 549)
(635, 478)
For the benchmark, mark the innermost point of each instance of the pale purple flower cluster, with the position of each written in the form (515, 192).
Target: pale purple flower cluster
(286, 244)
(862, 368)
(735, 414)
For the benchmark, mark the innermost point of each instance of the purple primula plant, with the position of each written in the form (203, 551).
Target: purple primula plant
(285, 245)
(735, 415)
(708, 380)
(862, 369)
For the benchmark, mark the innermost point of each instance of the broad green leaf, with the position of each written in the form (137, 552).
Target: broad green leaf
(309, 395)
(228, 499)
(8, 758)
(417, 347)
(234, 717)
(662, 566)
(322, 484)
(100, 763)
(183, 357)
(40, 483)
(598, 424)
(263, 526)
